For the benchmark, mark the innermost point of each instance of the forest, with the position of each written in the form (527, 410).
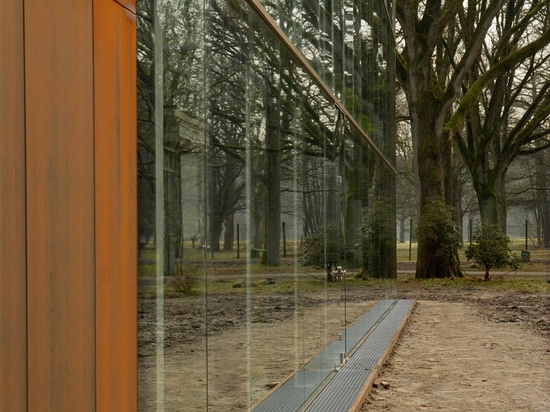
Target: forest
(366, 121)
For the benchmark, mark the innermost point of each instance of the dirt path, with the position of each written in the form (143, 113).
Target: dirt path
(452, 357)
(466, 348)
(241, 361)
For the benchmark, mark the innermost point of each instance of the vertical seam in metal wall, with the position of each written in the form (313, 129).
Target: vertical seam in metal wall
(94, 248)
(26, 208)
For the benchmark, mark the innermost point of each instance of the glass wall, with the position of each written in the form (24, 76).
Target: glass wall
(266, 191)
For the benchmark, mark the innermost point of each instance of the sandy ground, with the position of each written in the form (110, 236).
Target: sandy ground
(275, 349)
(464, 349)
(451, 357)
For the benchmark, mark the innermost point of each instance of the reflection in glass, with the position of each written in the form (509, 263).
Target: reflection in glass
(254, 187)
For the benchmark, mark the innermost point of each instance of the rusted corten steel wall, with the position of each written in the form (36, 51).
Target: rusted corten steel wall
(68, 333)
(115, 206)
(13, 308)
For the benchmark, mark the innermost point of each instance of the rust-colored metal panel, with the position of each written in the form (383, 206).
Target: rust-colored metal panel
(60, 205)
(129, 4)
(13, 316)
(115, 199)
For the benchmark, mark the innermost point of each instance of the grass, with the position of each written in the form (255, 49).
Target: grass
(502, 283)
(311, 285)
(224, 271)
(539, 257)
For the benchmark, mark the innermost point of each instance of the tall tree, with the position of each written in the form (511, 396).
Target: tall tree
(442, 42)
(512, 116)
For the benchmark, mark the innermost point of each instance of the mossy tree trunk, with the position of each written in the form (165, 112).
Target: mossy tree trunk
(428, 122)
(436, 71)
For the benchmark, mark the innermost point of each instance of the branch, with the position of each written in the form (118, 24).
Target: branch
(471, 96)
(473, 48)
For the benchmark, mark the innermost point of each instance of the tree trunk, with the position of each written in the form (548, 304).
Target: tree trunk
(216, 226)
(430, 172)
(545, 217)
(488, 208)
(544, 205)
(489, 185)
(353, 222)
(501, 208)
(215, 222)
(273, 181)
(384, 264)
(402, 220)
(229, 236)
(273, 209)
(256, 224)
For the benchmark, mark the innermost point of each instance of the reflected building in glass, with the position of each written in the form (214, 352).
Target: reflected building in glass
(266, 150)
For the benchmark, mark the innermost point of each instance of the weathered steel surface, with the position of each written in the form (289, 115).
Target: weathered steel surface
(129, 4)
(115, 206)
(60, 205)
(13, 316)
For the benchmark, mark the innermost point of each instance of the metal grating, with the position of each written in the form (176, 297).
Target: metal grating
(316, 378)
(346, 386)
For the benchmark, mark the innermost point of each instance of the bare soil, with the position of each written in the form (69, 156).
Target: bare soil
(465, 348)
(460, 357)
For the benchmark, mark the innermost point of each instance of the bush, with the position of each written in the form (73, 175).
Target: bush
(491, 249)
(185, 280)
(325, 249)
(438, 229)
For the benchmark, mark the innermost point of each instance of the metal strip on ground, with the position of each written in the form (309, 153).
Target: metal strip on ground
(297, 392)
(349, 384)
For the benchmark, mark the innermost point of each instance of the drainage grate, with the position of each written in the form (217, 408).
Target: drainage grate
(348, 384)
(319, 380)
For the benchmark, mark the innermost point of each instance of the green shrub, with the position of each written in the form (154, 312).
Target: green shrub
(185, 280)
(491, 249)
(325, 249)
(438, 229)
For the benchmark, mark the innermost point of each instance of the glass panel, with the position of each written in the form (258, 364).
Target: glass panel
(266, 217)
